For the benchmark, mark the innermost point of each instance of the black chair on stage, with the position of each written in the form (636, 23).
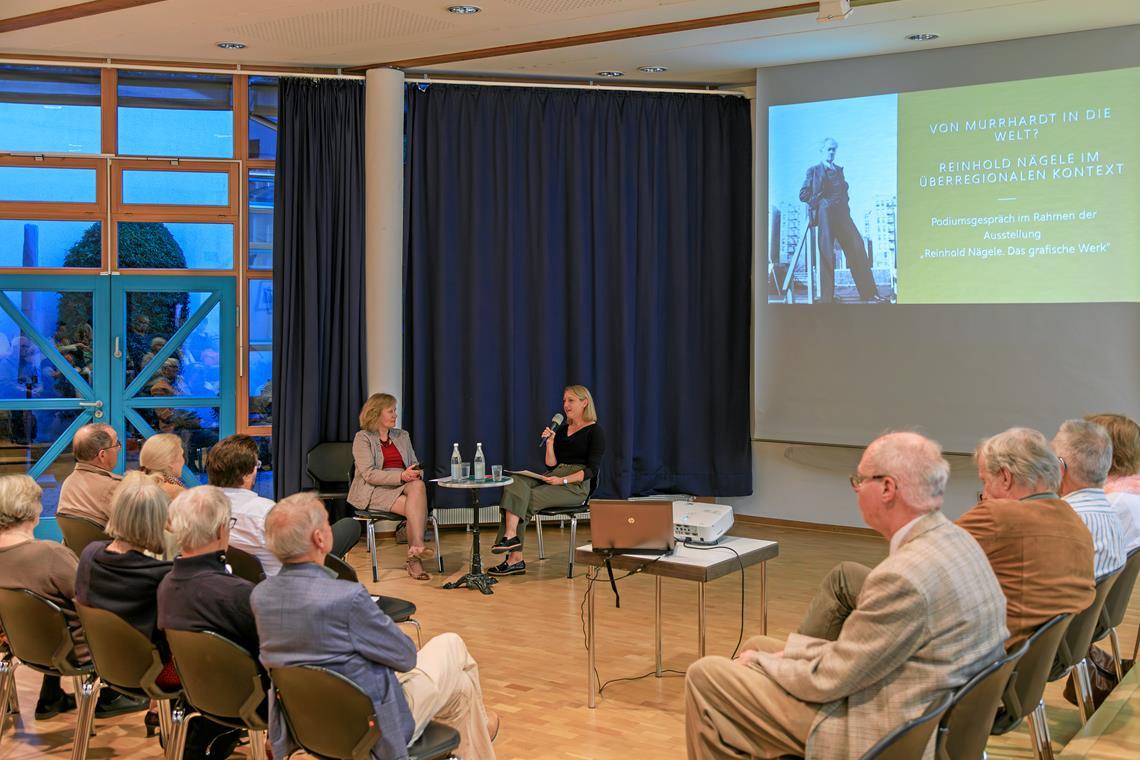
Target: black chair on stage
(372, 516)
(40, 638)
(245, 565)
(1022, 696)
(79, 531)
(965, 728)
(223, 682)
(571, 512)
(1115, 605)
(400, 610)
(331, 717)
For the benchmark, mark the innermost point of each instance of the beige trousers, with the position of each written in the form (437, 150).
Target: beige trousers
(444, 686)
(738, 711)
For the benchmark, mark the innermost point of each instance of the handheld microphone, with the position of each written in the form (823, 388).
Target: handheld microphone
(555, 423)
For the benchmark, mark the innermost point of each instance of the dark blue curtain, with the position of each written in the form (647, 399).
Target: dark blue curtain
(319, 370)
(575, 236)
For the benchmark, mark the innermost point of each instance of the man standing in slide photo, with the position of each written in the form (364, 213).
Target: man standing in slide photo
(825, 192)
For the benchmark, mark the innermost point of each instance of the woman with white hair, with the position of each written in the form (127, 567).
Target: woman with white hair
(46, 568)
(162, 455)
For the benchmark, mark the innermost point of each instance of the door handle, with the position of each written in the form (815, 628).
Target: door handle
(96, 404)
(118, 351)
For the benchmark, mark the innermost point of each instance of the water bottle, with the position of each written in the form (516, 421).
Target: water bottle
(479, 465)
(456, 462)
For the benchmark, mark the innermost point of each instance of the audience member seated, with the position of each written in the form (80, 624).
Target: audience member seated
(48, 569)
(307, 617)
(162, 455)
(386, 479)
(88, 490)
(121, 575)
(1085, 451)
(1122, 489)
(232, 466)
(929, 617)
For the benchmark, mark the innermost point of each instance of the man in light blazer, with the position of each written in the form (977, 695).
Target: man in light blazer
(305, 616)
(928, 618)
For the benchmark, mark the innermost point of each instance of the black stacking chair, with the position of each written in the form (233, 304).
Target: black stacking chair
(79, 531)
(1073, 652)
(330, 717)
(372, 516)
(572, 513)
(39, 637)
(909, 740)
(400, 610)
(965, 728)
(1115, 605)
(245, 565)
(1022, 696)
(223, 682)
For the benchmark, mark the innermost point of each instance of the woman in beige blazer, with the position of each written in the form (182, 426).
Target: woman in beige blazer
(388, 477)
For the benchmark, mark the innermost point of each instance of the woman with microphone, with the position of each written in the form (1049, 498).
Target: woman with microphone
(573, 455)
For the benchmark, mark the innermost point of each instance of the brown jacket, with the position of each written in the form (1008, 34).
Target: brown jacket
(48, 569)
(374, 487)
(87, 492)
(1042, 555)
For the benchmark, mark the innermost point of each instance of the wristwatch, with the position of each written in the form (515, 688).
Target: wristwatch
(564, 481)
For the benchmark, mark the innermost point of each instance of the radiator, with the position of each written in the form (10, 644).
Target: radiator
(456, 517)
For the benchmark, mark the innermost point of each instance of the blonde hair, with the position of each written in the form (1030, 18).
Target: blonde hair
(589, 414)
(290, 524)
(1125, 435)
(139, 512)
(19, 500)
(372, 408)
(159, 454)
(197, 515)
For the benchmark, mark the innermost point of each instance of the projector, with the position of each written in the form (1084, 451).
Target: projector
(697, 523)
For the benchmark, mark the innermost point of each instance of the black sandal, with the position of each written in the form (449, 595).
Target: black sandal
(506, 568)
(505, 545)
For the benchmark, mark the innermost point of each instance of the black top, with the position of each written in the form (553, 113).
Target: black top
(200, 595)
(124, 584)
(584, 447)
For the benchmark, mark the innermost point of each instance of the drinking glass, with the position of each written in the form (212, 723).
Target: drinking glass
(465, 471)
(496, 472)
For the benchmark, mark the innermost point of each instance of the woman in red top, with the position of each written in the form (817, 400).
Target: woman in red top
(387, 476)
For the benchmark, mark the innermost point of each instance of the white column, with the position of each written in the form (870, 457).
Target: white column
(383, 229)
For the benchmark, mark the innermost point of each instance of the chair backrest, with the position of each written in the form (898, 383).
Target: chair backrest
(1027, 683)
(965, 728)
(37, 631)
(328, 463)
(1075, 644)
(327, 714)
(245, 565)
(1116, 603)
(342, 569)
(909, 740)
(79, 531)
(124, 658)
(219, 677)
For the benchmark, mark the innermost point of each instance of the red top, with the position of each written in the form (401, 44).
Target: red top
(392, 458)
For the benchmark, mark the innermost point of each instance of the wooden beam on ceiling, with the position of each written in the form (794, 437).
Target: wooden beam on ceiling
(69, 13)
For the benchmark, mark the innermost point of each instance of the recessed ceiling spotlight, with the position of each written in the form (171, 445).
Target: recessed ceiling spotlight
(611, 74)
(923, 37)
(463, 10)
(231, 45)
(652, 69)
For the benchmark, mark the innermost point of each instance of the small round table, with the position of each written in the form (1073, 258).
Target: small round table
(476, 578)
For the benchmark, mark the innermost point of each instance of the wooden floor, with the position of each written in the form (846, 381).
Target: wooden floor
(528, 640)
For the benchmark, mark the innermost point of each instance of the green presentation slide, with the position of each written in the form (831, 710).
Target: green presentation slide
(1020, 192)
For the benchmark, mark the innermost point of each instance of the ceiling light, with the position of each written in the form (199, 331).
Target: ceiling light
(833, 10)
(923, 37)
(231, 45)
(463, 10)
(611, 74)
(652, 69)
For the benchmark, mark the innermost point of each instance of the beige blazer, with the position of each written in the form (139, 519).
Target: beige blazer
(372, 486)
(928, 618)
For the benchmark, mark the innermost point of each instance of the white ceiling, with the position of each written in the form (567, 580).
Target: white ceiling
(358, 32)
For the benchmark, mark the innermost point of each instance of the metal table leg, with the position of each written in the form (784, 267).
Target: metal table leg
(476, 578)
(591, 659)
(657, 622)
(701, 618)
(764, 598)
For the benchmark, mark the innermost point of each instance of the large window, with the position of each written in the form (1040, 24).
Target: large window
(175, 114)
(48, 109)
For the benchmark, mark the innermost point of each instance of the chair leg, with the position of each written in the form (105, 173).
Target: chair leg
(180, 719)
(1084, 690)
(1114, 641)
(419, 632)
(538, 534)
(7, 687)
(372, 551)
(570, 549)
(1039, 733)
(86, 697)
(165, 721)
(257, 740)
(438, 548)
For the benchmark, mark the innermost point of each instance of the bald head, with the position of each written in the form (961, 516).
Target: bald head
(916, 464)
(297, 529)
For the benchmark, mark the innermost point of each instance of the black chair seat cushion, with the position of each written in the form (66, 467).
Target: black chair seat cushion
(436, 741)
(397, 609)
(558, 511)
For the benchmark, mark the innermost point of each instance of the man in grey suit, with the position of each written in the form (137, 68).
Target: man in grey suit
(305, 616)
(928, 618)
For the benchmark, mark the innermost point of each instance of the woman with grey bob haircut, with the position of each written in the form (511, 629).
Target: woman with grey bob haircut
(138, 514)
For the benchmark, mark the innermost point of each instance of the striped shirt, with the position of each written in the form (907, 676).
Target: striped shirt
(1104, 525)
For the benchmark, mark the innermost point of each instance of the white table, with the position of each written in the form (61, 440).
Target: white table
(686, 563)
(476, 578)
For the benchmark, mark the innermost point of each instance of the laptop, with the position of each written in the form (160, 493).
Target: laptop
(625, 527)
